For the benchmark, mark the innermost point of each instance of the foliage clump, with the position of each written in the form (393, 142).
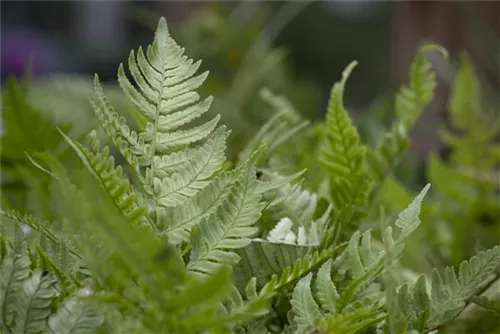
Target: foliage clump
(178, 240)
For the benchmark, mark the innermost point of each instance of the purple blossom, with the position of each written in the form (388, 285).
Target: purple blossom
(19, 47)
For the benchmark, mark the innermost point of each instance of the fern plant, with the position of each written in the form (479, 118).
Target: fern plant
(186, 243)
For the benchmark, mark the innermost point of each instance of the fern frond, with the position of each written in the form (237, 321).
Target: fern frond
(262, 259)
(173, 162)
(410, 104)
(112, 178)
(182, 218)
(280, 128)
(326, 291)
(471, 115)
(34, 304)
(194, 176)
(353, 322)
(309, 316)
(282, 283)
(388, 153)
(74, 316)
(306, 311)
(367, 266)
(450, 292)
(15, 270)
(344, 156)
(412, 99)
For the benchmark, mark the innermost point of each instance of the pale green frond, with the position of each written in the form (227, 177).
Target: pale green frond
(365, 265)
(33, 307)
(76, 317)
(450, 291)
(165, 142)
(182, 218)
(326, 291)
(208, 157)
(397, 309)
(230, 227)
(15, 270)
(165, 93)
(305, 309)
(408, 220)
(262, 259)
(178, 187)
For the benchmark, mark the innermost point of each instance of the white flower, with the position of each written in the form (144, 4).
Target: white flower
(282, 232)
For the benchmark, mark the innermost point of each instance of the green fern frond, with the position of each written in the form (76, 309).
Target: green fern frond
(411, 100)
(65, 274)
(102, 165)
(409, 307)
(283, 282)
(184, 217)
(344, 156)
(366, 267)
(410, 104)
(388, 153)
(261, 259)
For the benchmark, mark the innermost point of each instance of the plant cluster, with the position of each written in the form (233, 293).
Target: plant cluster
(176, 239)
